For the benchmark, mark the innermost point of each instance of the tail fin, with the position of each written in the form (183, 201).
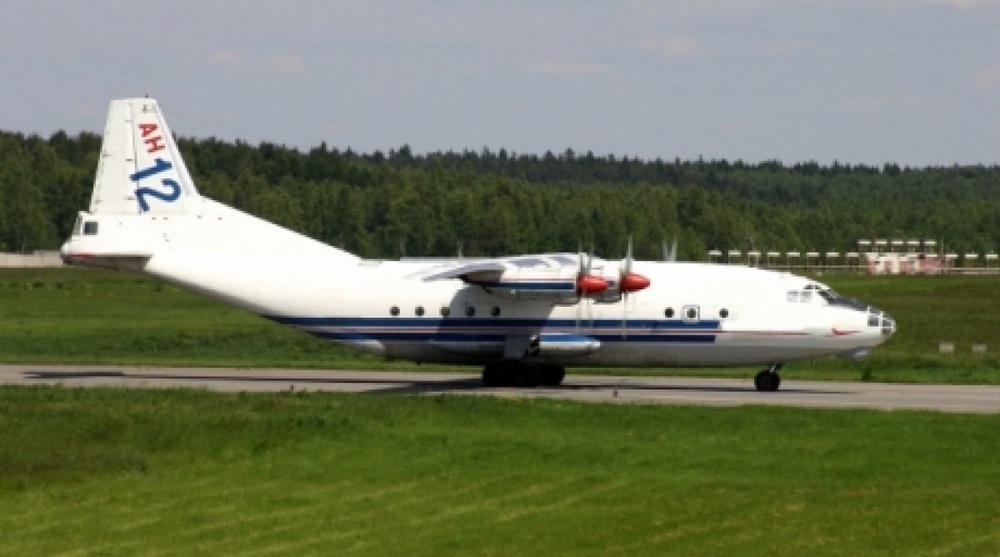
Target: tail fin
(145, 206)
(141, 169)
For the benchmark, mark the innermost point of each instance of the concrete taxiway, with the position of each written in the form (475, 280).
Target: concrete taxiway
(579, 387)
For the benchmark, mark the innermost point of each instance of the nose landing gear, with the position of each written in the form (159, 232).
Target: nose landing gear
(768, 380)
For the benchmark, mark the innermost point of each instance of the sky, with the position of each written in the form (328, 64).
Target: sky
(911, 82)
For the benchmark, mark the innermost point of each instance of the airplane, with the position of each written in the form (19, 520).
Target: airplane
(523, 318)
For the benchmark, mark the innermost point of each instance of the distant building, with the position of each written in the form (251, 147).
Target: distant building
(906, 263)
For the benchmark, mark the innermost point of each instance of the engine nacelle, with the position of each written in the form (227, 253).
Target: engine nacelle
(562, 344)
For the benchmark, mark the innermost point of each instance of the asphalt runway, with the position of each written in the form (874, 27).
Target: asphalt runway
(586, 388)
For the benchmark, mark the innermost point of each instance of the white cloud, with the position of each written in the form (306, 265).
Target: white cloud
(674, 47)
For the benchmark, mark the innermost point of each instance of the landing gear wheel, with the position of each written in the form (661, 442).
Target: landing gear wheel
(525, 377)
(551, 376)
(767, 381)
(495, 375)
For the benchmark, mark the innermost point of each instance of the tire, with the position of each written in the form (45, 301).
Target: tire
(551, 376)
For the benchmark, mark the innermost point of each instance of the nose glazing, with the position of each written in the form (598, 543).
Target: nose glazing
(879, 318)
(888, 325)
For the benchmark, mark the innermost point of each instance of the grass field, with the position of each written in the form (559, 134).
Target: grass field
(123, 472)
(87, 316)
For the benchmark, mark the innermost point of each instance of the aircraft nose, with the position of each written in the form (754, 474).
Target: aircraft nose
(888, 325)
(881, 319)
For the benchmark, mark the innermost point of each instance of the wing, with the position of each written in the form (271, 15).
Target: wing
(475, 272)
(549, 276)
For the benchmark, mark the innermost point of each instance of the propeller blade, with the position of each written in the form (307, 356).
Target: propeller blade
(590, 258)
(669, 252)
(624, 283)
(586, 283)
(630, 281)
(628, 256)
(624, 311)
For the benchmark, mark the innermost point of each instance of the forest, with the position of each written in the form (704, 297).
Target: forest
(488, 203)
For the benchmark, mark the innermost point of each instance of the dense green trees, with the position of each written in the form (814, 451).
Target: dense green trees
(493, 203)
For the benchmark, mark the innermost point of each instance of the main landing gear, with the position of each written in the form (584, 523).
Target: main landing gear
(513, 373)
(768, 379)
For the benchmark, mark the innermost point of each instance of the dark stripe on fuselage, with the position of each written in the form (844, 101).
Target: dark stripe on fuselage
(568, 286)
(491, 329)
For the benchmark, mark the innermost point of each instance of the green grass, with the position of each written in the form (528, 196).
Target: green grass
(122, 472)
(88, 316)
(929, 310)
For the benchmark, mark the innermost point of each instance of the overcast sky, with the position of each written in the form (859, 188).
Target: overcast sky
(916, 82)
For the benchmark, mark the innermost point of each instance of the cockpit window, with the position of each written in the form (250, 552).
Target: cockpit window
(834, 299)
(806, 295)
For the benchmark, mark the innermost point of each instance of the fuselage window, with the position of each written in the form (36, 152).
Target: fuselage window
(495, 311)
(470, 311)
(445, 311)
(691, 313)
(90, 228)
(723, 313)
(668, 313)
(394, 311)
(419, 311)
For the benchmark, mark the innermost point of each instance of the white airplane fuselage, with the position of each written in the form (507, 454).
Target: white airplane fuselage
(443, 311)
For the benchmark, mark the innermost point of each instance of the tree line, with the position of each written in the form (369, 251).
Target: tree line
(487, 203)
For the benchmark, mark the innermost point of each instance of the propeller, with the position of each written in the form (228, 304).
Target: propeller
(587, 284)
(629, 281)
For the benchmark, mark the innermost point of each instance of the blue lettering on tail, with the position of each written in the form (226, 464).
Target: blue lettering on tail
(172, 193)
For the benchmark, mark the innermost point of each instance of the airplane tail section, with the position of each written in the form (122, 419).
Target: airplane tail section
(140, 168)
(146, 213)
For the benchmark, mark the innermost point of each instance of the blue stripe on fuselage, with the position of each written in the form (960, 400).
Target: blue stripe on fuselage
(492, 329)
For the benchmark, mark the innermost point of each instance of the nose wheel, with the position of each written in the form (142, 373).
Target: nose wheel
(768, 380)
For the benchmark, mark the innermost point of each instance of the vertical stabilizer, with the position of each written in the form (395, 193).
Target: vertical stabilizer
(141, 169)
